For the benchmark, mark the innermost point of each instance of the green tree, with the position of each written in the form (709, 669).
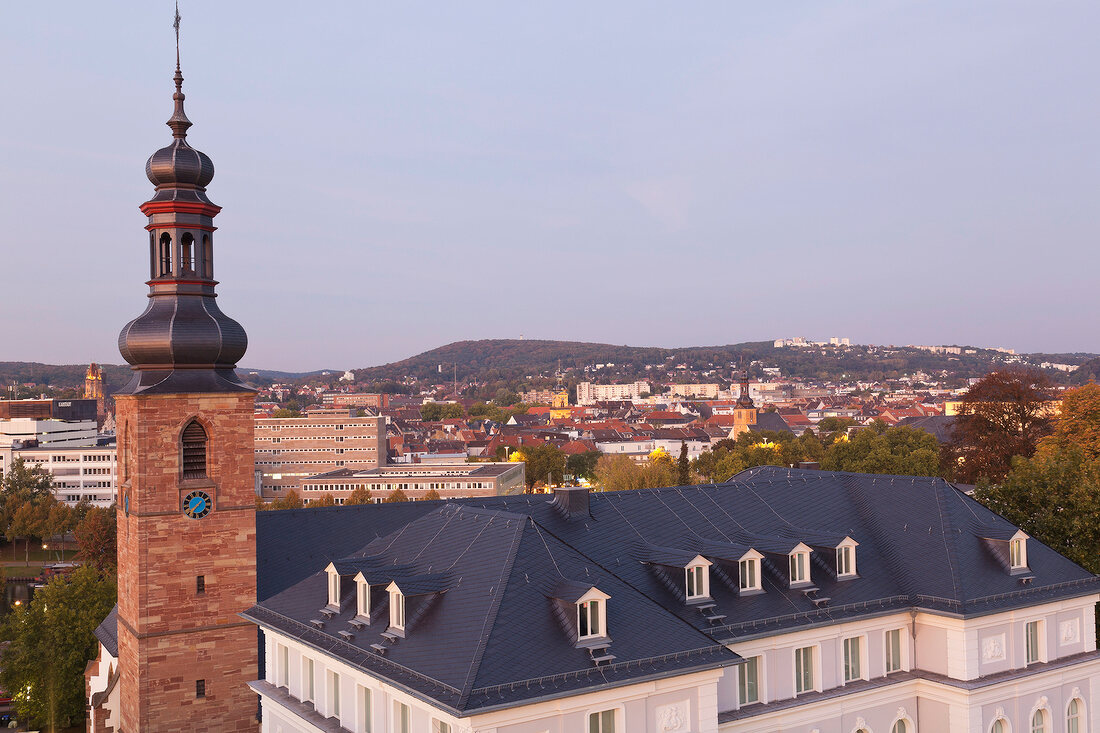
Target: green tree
(1054, 497)
(395, 496)
(545, 462)
(284, 412)
(582, 465)
(683, 466)
(1078, 422)
(96, 539)
(618, 473)
(900, 451)
(51, 641)
(325, 499)
(360, 495)
(431, 495)
(433, 411)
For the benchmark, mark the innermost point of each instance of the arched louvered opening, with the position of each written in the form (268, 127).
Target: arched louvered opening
(207, 257)
(194, 451)
(165, 254)
(152, 255)
(187, 253)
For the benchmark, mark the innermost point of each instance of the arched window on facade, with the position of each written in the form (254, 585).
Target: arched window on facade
(900, 727)
(999, 726)
(1074, 717)
(187, 253)
(194, 451)
(207, 257)
(1039, 722)
(165, 254)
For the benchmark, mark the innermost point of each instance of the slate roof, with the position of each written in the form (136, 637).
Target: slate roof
(491, 637)
(107, 632)
(940, 426)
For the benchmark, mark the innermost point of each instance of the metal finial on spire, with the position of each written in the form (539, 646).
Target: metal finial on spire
(176, 25)
(179, 122)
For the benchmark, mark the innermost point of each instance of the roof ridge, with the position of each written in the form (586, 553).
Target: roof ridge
(490, 617)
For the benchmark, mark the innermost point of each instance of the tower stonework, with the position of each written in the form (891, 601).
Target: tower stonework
(186, 518)
(94, 390)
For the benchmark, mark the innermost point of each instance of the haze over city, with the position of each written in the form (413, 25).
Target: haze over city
(396, 177)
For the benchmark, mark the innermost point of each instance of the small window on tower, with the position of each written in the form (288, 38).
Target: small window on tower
(200, 584)
(200, 688)
(187, 253)
(166, 254)
(207, 257)
(194, 451)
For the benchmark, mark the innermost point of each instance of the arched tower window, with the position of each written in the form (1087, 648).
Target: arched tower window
(194, 451)
(207, 257)
(152, 255)
(165, 254)
(187, 253)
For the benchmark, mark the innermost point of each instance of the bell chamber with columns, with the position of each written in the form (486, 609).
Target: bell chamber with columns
(182, 342)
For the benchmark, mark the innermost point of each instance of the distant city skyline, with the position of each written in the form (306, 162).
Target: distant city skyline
(396, 178)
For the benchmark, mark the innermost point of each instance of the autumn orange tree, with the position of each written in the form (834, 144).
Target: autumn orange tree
(1004, 415)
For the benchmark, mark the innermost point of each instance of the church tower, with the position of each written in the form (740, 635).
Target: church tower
(186, 519)
(94, 390)
(744, 411)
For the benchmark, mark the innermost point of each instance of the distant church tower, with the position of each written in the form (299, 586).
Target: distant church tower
(94, 390)
(186, 519)
(744, 411)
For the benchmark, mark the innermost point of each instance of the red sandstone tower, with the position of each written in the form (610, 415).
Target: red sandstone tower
(186, 520)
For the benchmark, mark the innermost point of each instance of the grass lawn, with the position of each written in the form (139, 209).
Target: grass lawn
(21, 571)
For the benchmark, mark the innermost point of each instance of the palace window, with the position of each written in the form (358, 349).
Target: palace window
(998, 726)
(194, 451)
(800, 565)
(1033, 641)
(397, 609)
(853, 659)
(893, 651)
(308, 682)
(900, 727)
(1074, 716)
(748, 681)
(1017, 551)
(589, 619)
(697, 579)
(602, 722)
(846, 559)
(804, 676)
(1039, 722)
(333, 588)
(401, 718)
(333, 694)
(362, 596)
(749, 571)
(364, 711)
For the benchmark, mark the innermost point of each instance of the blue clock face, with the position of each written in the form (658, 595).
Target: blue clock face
(197, 504)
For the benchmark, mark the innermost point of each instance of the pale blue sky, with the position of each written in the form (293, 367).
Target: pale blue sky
(396, 176)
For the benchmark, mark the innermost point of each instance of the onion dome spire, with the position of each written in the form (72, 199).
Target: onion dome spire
(182, 343)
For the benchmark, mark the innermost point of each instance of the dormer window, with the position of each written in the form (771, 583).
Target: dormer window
(749, 571)
(846, 558)
(333, 587)
(362, 596)
(592, 615)
(397, 609)
(697, 579)
(800, 564)
(1017, 551)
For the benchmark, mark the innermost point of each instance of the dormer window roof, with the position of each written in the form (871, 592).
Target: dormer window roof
(846, 558)
(748, 568)
(800, 564)
(697, 579)
(362, 596)
(592, 615)
(1017, 551)
(333, 587)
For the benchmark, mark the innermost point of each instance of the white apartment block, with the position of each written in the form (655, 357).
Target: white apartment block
(589, 393)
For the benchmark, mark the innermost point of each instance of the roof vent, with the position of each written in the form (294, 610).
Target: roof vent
(572, 501)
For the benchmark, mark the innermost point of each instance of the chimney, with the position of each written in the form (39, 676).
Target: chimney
(572, 502)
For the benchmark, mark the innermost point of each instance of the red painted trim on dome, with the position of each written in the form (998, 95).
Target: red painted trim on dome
(151, 227)
(179, 207)
(165, 281)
